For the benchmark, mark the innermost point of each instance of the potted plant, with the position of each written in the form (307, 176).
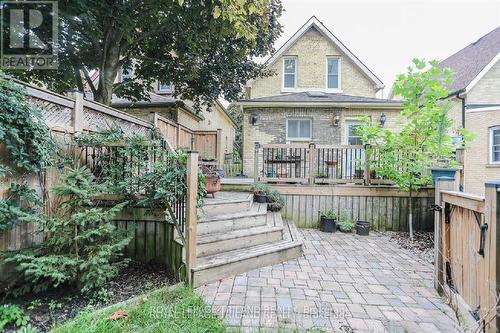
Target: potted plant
(212, 182)
(363, 228)
(260, 192)
(275, 200)
(328, 221)
(346, 224)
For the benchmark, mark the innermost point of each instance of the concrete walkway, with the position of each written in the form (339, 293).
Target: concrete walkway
(343, 283)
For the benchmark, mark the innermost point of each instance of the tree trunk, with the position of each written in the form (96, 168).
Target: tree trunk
(410, 215)
(110, 65)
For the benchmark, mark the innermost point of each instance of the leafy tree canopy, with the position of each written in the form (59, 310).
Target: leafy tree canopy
(204, 48)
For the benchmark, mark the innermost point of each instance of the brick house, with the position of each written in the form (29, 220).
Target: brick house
(475, 96)
(317, 94)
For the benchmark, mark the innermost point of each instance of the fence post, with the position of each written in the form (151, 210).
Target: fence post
(367, 165)
(218, 155)
(191, 213)
(256, 163)
(442, 184)
(492, 238)
(77, 119)
(312, 163)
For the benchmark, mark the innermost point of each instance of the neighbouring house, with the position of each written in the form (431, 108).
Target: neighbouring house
(211, 131)
(475, 96)
(317, 94)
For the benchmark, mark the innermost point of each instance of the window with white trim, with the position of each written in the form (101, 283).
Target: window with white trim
(495, 145)
(126, 73)
(351, 135)
(298, 129)
(289, 72)
(165, 87)
(332, 73)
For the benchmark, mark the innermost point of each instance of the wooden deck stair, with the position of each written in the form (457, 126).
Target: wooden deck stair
(236, 235)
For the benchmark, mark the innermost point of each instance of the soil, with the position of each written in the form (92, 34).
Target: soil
(55, 306)
(422, 244)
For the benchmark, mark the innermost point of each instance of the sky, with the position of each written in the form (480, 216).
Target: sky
(387, 34)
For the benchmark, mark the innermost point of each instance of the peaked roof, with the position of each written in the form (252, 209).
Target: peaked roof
(314, 22)
(472, 60)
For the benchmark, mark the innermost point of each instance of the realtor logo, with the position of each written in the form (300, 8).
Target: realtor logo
(29, 34)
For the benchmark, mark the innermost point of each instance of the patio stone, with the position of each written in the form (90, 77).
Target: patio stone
(367, 284)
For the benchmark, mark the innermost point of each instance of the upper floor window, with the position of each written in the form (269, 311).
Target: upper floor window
(165, 87)
(298, 129)
(495, 145)
(333, 73)
(126, 73)
(289, 72)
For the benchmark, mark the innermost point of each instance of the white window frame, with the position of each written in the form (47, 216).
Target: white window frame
(347, 123)
(490, 145)
(171, 89)
(121, 73)
(295, 74)
(299, 138)
(339, 88)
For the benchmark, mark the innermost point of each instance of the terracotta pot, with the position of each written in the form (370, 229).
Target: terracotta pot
(212, 184)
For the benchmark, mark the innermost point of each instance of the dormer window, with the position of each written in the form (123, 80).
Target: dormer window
(126, 74)
(289, 72)
(165, 87)
(333, 73)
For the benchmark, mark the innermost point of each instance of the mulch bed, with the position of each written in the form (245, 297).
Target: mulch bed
(56, 306)
(422, 244)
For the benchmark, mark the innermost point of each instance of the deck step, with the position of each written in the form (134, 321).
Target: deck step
(214, 267)
(253, 217)
(226, 203)
(215, 243)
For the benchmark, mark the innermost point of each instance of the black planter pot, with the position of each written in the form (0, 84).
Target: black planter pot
(327, 224)
(273, 208)
(260, 198)
(363, 228)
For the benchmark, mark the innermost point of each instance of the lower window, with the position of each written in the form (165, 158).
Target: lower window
(495, 145)
(298, 129)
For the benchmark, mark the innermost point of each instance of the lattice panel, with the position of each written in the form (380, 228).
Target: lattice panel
(95, 121)
(54, 115)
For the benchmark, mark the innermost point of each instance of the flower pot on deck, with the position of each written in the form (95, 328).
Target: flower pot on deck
(442, 172)
(260, 198)
(362, 228)
(212, 183)
(327, 224)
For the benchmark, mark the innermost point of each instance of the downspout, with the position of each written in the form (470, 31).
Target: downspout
(457, 95)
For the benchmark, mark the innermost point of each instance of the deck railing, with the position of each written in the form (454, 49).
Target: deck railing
(315, 164)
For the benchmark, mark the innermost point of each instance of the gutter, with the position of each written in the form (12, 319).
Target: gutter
(386, 106)
(457, 94)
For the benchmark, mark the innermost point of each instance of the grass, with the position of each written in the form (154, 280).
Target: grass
(179, 310)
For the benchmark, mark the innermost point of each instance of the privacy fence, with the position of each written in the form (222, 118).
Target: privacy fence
(384, 207)
(156, 237)
(467, 244)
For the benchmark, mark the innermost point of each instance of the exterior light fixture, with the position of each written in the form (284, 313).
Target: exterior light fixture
(336, 120)
(383, 118)
(254, 118)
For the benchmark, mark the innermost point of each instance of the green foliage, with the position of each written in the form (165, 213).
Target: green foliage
(329, 213)
(21, 204)
(184, 42)
(276, 199)
(176, 311)
(262, 189)
(346, 222)
(12, 315)
(81, 246)
(236, 113)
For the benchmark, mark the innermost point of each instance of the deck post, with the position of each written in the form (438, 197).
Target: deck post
(256, 163)
(77, 117)
(312, 163)
(367, 165)
(442, 184)
(491, 243)
(191, 213)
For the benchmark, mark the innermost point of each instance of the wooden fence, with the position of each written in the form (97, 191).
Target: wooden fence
(467, 252)
(315, 164)
(386, 208)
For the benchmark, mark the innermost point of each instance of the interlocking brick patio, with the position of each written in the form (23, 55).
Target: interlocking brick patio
(342, 283)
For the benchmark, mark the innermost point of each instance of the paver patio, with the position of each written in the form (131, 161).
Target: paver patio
(342, 283)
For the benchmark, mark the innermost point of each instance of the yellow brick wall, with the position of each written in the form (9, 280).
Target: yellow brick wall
(311, 51)
(487, 90)
(477, 169)
(271, 127)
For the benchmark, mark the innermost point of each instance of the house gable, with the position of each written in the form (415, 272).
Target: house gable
(311, 46)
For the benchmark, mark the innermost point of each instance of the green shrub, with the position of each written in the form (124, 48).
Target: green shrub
(329, 214)
(346, 222)
(12, 315)
(261, 189)
(81, 247)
